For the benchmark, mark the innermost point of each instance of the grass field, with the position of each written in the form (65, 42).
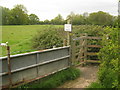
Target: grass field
(19, 37)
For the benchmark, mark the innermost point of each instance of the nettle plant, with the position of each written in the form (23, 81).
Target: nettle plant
(109, 69)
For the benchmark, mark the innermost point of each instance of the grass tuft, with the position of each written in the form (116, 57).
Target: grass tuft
(54, 80)
(95, 85)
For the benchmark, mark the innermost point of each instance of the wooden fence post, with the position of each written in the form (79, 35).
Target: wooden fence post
(9, 66)
(85, 49)
(70, 44)
(80, 56)
(64, 42)
(68, 38)
(73, 47)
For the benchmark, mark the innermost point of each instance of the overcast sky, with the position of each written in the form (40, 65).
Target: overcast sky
(48, 9)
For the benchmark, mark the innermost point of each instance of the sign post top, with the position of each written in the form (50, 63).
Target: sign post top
(68, 27)
(4, 44)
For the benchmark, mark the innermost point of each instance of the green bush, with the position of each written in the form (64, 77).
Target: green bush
(49, 37)
(55, 80)
(91, 30)
(109, 69)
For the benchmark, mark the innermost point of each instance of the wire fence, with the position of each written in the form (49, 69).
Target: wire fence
(27, 50)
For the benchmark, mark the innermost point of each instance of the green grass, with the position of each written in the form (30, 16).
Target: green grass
(54, 80)
(95, 85)
(19, 37)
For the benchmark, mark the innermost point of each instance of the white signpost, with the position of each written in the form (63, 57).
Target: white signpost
(68, 27)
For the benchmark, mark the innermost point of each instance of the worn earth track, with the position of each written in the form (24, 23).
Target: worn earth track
(88, 75)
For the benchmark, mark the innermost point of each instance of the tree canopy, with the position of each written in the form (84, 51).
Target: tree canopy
(101, 18)
(58, 20)
(19, 16)
(33, 19)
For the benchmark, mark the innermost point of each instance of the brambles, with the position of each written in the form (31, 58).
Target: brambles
(50, 37)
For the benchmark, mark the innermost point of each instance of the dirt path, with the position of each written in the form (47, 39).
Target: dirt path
(88, 75)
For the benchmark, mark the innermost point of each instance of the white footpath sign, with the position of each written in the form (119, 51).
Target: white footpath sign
(68, 27)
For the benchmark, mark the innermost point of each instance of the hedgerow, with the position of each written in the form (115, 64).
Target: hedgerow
(49, 37)
(109, 69)
(109, 73)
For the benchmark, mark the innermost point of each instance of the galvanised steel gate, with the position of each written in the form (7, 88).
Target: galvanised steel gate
(34, 65)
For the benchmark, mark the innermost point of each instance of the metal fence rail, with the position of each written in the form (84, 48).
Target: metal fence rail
(28, 66)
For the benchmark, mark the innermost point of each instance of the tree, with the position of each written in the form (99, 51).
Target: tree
(19, 15)
(76, 19)
(33, 19)
(58, 20)
(46, 21)
(101, 18)
(6, 15)
(116, 20)
(0, 15)
(69, 18)
(85, 16)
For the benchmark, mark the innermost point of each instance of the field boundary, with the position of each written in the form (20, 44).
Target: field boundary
(34, 65)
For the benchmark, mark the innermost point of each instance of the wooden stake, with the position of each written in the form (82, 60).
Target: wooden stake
(73, 47)
(68, 38)
(64, 42)
(85, 49)
(9, 66)
(81, 49)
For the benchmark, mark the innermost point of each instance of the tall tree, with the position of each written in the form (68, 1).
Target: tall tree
(0, 15)
(70, 17)
(101, 18)
(33, 19)
(76, 19)
(58, 20)
(19, 15)
(85, 16)
(6, 15)
(47, 21)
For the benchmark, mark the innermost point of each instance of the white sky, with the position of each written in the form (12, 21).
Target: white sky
(48, 9)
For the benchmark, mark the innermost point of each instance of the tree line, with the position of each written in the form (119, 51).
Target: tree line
(19, 16)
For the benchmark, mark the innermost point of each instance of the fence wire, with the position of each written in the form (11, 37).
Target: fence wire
(29, 50)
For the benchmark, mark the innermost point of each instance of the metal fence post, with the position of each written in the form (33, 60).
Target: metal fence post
(37, 61)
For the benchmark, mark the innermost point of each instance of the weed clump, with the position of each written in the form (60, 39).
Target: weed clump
(55, 80)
